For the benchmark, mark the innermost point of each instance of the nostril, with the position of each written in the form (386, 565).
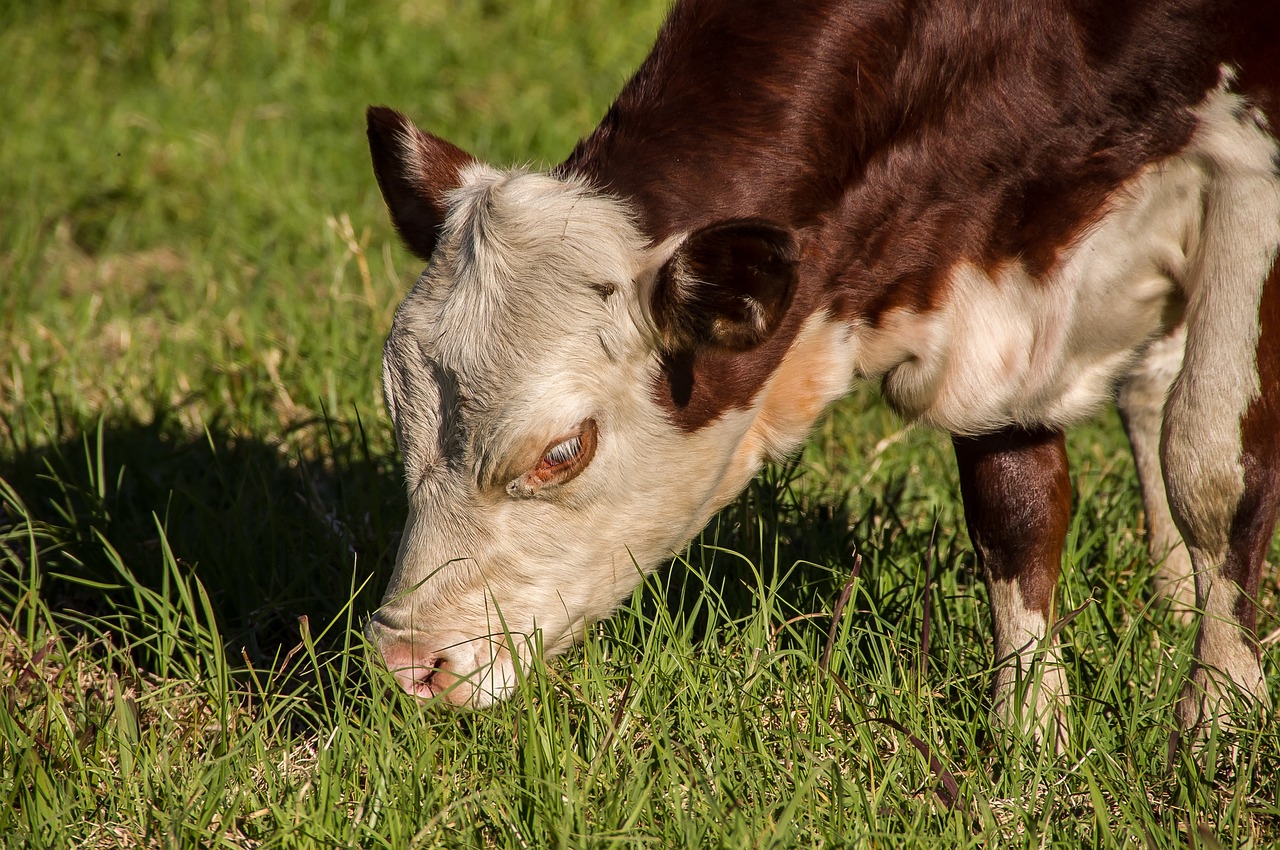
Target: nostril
(423, 674)
(429, 678)
(447, 666)
(418, 677)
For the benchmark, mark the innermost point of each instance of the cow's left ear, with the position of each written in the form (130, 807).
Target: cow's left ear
(726, 286)
(415, 171)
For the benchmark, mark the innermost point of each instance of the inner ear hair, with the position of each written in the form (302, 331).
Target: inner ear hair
(727, 286)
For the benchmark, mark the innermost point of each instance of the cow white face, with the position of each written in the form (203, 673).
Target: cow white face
(525, 375)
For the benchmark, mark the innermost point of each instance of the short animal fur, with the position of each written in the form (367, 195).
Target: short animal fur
(1008, 212)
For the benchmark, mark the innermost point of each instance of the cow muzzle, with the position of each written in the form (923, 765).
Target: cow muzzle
(447, 667)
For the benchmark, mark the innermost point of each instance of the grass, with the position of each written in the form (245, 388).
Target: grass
(199, 501)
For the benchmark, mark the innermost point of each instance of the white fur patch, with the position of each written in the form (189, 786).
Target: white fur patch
(508, 341)
(1012, 350)
(1201, 448)
(815, 372)
(1030, 685)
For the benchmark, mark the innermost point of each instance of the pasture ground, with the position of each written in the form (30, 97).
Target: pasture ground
(199, 502)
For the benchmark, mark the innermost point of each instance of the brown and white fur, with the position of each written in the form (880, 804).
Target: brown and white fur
(1005, 211)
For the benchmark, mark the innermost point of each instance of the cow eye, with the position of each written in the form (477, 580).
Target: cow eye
(568, 455)
(562, 460)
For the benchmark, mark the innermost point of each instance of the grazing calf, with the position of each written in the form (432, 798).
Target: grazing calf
(1002, 210)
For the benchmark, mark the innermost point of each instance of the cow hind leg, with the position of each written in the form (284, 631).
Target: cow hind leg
(1017, 501)
(1141, 400)
(1221, 446)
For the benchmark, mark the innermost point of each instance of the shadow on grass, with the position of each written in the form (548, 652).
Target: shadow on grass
(797, 541)
(274, 535)
(271, 534)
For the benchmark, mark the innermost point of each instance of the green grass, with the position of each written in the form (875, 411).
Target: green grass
(199, 502)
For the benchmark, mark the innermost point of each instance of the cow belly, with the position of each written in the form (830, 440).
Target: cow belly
(1004, 348)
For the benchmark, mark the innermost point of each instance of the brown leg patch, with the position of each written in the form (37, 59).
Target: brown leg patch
(1017, 501)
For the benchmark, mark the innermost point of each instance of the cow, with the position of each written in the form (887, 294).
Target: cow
(1009, 213)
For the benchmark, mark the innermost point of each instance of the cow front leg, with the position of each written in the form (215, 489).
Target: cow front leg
(1222, 471)
(1017, 500)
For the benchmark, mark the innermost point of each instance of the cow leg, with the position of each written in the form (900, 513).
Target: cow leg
(1141, 400)
(1222, 470)
(1017, 500)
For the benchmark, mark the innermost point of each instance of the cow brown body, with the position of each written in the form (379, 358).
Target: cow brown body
(1002, 210)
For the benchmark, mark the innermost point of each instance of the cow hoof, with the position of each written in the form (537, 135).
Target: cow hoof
(1046, 727)
(1212, 698)
(1032, 706)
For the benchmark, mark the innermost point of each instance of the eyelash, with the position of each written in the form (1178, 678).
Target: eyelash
(562, 453)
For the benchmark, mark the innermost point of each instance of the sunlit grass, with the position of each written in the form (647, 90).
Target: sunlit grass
(199, 504)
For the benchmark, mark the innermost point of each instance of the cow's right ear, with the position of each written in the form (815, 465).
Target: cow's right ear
(415, 170)
(726, 286)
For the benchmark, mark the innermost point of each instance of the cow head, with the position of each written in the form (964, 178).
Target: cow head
(544, 473)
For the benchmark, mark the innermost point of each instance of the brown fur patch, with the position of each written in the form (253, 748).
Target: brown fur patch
(1255, 31)
(896, 140)
(727, 287)
(699, 384)
(1017, 502)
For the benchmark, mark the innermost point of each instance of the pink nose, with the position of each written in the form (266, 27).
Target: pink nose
(447, 666)
(424, 674)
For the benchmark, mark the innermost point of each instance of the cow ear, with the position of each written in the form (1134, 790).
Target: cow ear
(415, 170)
(726, 286)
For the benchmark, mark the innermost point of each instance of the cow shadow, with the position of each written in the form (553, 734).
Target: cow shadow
(274, 535)
(800, 542)
(112, 511)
